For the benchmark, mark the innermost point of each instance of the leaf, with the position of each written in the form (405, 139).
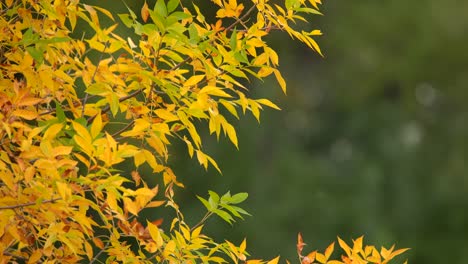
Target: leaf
(267, 103)
(172, 5)
(96, 126)
(238, 198)
(64, 190)
(225, 216)
(280, 80)
(193, 80)
(329, 250)
(155, 234)
(231, 132)
(145, 12)
(25, 114)
(344, 246)
(300, 244)
(274, 261)
(160, 8)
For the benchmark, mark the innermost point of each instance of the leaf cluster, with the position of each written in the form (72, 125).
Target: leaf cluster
(68, 119)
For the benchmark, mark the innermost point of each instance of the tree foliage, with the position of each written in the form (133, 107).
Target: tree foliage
(73, 109)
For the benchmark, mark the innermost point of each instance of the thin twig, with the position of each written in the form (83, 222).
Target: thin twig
(107, 108)
(92, 78)
(123, 129)
(27, 204)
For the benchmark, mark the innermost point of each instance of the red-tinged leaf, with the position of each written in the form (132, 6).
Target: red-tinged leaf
(300, 244)
(158, 222)
(145, 12)
(136, 177)
(98, 243)
(310, 257)
(155, 204)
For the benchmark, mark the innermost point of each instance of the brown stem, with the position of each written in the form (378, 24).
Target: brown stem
(27, 204)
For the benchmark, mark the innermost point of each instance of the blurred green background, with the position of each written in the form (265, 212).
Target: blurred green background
(372, 139)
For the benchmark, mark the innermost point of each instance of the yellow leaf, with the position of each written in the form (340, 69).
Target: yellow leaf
(357, 247)
(61, 150)
(231, 132)
(202, 159)
(131, 206)
(274, 261)
(261, 60)
(64, 190)
(166, 115)
(29, 101)
(155, 204)
(35, 257)
(320, 258)
(213, 162)
(230, 106)
(82, 132)
(89, 250)
(52, 131)
(170, 248)
(93, 14)
(96, 127)
(344, 246)
(26, 114)
(193, 80)
(268, 103)
(329, 250)
(196, 232)
(280, 80)
(213, 90)
(155, 234)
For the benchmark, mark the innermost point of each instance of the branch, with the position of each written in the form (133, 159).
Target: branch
(107, 108)
(85, 99)
(27, 204)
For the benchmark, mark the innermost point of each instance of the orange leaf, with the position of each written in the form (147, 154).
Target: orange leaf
(26, 114)
(300, 244)
(145, 12)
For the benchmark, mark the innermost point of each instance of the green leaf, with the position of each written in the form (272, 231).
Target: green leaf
(225, 216)
(205, 203)
(240, 210)
(128, 22)
(214, 196)
(59, 113)
(233, 40)
(160, 8)
(232, 210)
(114, 104)
(36, 54)
(239, 198)
(172, 5)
